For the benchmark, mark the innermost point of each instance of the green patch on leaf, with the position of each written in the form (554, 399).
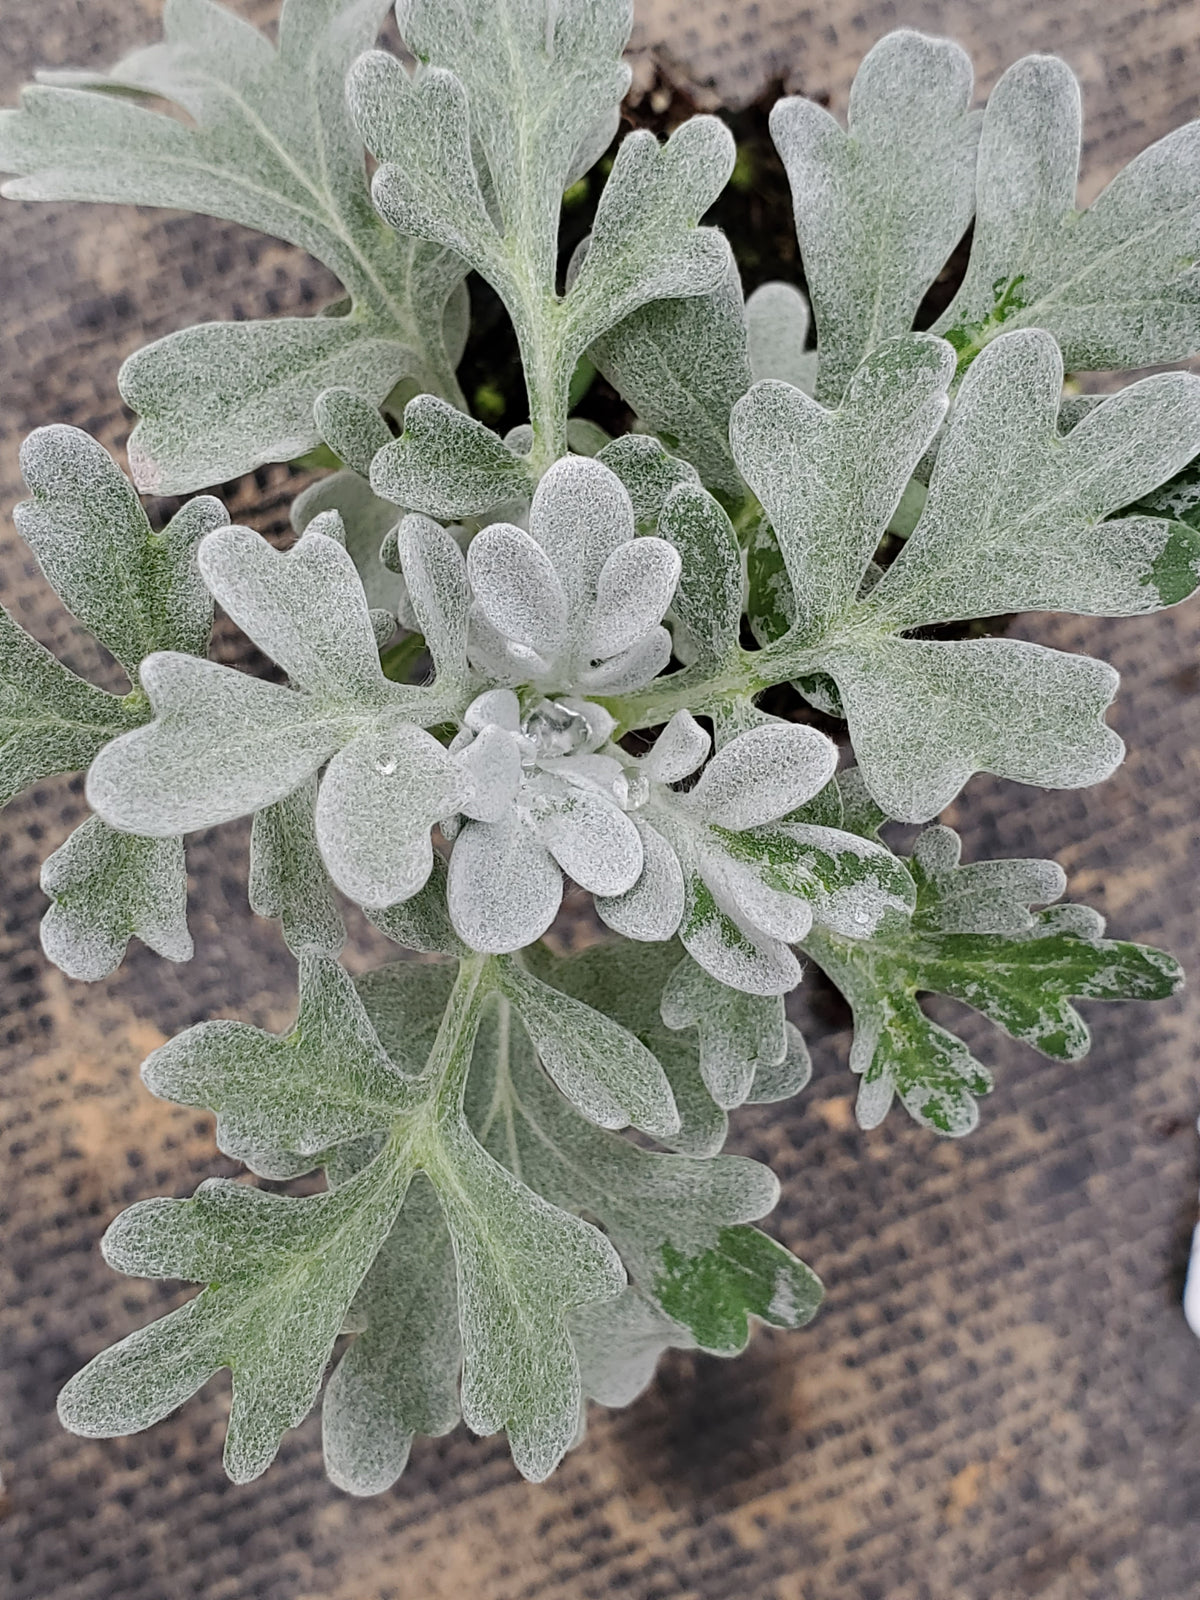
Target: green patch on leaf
(746, 1273)
(974, 938)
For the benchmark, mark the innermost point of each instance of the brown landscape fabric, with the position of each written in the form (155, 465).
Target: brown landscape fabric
(1000, 1399)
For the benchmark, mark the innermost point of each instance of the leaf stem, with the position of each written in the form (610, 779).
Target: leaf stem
(541, 356)
(686, 691)
(450, 1057)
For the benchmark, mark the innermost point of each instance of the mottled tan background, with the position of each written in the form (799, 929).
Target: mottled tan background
(1000, 1400)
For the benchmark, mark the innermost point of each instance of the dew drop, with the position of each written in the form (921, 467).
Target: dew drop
(556, 729)
(638, 791)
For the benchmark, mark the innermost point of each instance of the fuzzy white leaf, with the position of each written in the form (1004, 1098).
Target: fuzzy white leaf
(653, 908)
(647, 472)
(1017, 519)
(436, 575)
(106, 888)
(137, 591)
(682, 365)
(505, 888)
(522, 1264)
(678, 1222)
(925, 715)
(492, 761)
(367, 521)
(448, 465)
(741, 1034)
(1116, 284)
(539, 78)
(753, 963)
(1014, 520)
(632, 669)
(645, 244)
(500, 707)
(619, 1343)
(851, 884)
(984, 896)
(879, 208)
(50, 720)
(419, 129)
(709, 601)
(222, 744)
(268, 143)
(378, 802)
(579, 516)
(777, 319)
(680, 748)
(280, 1274)
(352, 428)
(593, 842)
(607, 1073)
(400, 1376)
(784, 1079)
(633, 592)
(305, 608)
(325, 1082)
(517, 588)
(222, 398)
(287, 877)
(830, 480)
(763, 774)
(750, 901)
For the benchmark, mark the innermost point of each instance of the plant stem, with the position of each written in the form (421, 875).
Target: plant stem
(547, 398)
(686, 691)
(536, 313)
(450, 1058)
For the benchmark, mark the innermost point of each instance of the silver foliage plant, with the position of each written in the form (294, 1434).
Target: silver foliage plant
(489, 1242)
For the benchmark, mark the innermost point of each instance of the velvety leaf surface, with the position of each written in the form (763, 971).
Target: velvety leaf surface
(974, 937)
(281, 1274)
(106, 888)
(270, 144)
(135, 590)
(326, 1082)
(400, 1376)
(1116, 285)
(50, 720)
(880, 207)
(288, 879)
(683, 365)
(1015, 516)
(676, 1220)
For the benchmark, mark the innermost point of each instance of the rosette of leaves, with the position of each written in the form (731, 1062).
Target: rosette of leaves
(574, 605)
(550, 803)
(137, 592)
(222, 744)
(490, 1241)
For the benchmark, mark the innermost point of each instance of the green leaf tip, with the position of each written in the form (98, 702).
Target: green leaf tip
(975, 938)
(745, 1274)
